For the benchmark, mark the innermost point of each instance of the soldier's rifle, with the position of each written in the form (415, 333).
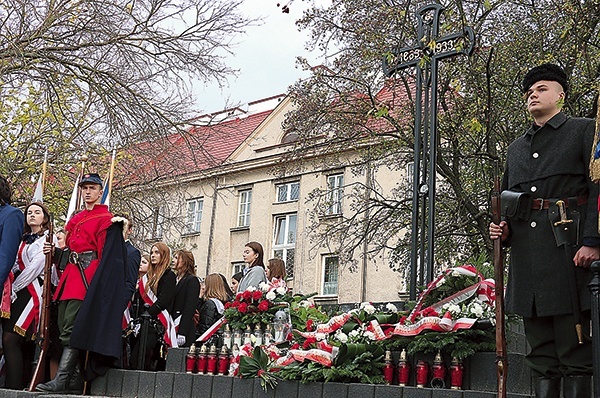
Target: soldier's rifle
(501, 360)
(43, 340)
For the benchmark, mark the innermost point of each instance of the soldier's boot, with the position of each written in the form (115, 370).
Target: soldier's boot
(546, 387)
(76, 383)
(66, 367)
(577, 387)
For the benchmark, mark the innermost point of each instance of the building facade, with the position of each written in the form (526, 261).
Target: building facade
(246, 194)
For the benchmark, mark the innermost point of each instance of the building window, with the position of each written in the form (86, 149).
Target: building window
(288, 192)
(158, 221)
(244, 209)
(284, 243)
(238, 266)
(335, 190)
(194, 215)
(330, 275)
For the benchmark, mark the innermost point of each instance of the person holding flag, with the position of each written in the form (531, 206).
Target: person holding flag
(21, 321)
(88, 321)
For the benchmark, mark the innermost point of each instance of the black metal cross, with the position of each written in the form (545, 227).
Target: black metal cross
(424, 55)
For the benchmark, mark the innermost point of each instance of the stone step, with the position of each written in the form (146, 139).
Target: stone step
(480, 371)
(127, 383)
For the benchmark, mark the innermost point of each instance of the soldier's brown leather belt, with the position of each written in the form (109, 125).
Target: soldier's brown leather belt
(543, 204)
(82, 259)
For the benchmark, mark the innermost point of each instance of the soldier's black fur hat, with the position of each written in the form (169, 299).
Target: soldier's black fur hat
(550, 72)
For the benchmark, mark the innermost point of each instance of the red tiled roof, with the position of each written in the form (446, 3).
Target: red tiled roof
(201, 148)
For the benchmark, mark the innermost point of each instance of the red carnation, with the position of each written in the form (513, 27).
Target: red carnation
(403, 320)
(238, 296)
(309, 325)
(257, 295)
(243, 308)
(308, 342)
(227, 305)
(247, 295)
(263, 305)
(295, 346)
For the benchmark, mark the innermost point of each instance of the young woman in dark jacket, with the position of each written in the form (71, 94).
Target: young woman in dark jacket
(186, 297)
(156, 288)
(215, 297)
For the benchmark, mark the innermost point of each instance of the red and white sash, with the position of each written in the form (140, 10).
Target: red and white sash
(164, 317)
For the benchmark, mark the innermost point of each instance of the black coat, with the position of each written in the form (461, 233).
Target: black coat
(97, 326)
(134, 257)
(208, 316)
(549, 162)
(165, 293)
(184, 305)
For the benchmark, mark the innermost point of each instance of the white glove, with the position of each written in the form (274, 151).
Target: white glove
(180, 340)
(13, 296)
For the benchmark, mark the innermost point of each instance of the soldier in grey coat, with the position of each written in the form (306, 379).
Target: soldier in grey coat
(552, 230)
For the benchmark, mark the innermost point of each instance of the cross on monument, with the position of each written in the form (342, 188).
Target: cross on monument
(429, 49)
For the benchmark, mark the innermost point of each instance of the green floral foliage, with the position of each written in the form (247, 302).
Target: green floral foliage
(365, 368)
(451, 284)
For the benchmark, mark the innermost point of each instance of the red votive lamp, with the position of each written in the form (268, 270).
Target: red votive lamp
(201, 360)
(456, 374)
(223, 366)
(438, 369)
(388, 368)
(190, 360)
(422, 373)
(403, 369)
(211, 362)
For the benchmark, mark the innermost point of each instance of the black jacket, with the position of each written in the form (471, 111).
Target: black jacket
(165, 293)
(208, 316)
(550, 162)
(184, 305)
(131, 271)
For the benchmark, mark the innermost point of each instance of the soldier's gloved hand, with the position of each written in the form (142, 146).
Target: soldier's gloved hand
(13, 296)
(180, 340)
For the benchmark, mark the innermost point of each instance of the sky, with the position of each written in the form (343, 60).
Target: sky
(265, 57)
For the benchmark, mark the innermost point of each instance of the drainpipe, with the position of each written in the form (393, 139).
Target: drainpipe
(211, 234)
(369, 184)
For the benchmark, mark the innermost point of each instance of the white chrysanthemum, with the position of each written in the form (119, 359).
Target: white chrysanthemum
(370, 335)
(251, 288)
(305, 303)
(353, 333)
(440, 282)
(264, 286)
(271, 296)
(455, 273)
(454, 309)
(477, 310)
(281, 290)
(341, 337)
(369, 309)
(391, 307)
(486, 264)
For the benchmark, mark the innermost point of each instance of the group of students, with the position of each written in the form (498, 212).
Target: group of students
(90, 311)
(182, 307)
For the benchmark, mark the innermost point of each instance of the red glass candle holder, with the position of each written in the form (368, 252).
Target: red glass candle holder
(422, 373)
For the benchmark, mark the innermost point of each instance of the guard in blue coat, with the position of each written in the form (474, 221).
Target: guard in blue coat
(12, 222)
